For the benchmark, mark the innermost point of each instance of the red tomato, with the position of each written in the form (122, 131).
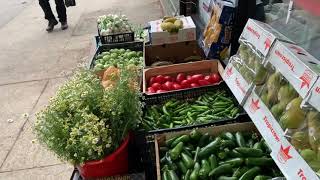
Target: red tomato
(209, 79)
(215, 78)
(180, 77)
(194, 85)
(152, 80)
(167, 86)
(168, 78)
(190, 79)
(156, 86)
(185, 84)
(161, 91)
(177, 86)
(197, 77)
(160, 79)
(203, 82)
(151, 90)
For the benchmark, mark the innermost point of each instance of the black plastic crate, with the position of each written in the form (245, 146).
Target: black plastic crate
(134, 46)
(116, 38)
(188, 94)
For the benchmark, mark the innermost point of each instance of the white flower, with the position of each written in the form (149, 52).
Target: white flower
(108, 145)
(75, 155)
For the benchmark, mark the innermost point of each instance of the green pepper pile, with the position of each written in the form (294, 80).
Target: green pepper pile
(175, 113)
(228, 156)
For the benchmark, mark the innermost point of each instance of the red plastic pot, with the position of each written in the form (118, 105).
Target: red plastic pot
(113, 164)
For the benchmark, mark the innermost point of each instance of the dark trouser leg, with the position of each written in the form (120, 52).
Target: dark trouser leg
(61, 10)
(45, 5)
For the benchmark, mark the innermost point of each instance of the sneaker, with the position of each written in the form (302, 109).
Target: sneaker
(51, 25)
(64, 25)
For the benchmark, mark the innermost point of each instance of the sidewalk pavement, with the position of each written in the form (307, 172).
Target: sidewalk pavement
(33, 64)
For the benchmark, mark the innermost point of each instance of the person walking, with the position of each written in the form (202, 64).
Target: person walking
(48, 14)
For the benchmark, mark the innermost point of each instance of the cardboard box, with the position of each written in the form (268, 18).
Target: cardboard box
(203, 67)
(175, 52)
(313, 97)
(262, 36)
(236, 83)
(158, 37)
(292, 165)
(296, 65)
(215, 131)
(205, 10)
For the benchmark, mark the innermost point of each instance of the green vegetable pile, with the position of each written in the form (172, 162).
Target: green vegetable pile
(175, 113)
(84, 122)
(229, 156)
(118, 58)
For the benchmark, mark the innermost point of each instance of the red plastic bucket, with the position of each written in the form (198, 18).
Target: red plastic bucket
(113, 164)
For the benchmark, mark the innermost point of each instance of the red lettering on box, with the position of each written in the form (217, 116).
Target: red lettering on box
(243, 91)
(254, 106)
(283, 154)
(229, 71)
(318, 89)
(267, 44)
(254, 32)
(306, 78)
(269, 126)
(285, 60)
(301, 174)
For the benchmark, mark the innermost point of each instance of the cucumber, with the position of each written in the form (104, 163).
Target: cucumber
(234, 162)
(165, 175)
(210, 148)
(250, 174)
(223, 169)
(227, 178)
(240, 171)
(259, 161)
(262, 177)
(195, 173)
(228, 136)
(240, 139)
(205, 169)
(204, 140)
(213, 161)
(182, 167)
(183, 138)
(249, 152)
(173, 175)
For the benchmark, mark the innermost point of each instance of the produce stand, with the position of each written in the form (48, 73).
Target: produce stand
(259, 110)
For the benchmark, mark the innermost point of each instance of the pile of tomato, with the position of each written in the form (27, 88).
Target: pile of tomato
(164, 83)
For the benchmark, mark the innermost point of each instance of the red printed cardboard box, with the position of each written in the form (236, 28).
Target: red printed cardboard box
(159, 37)
(292, 165)
(262, 36)
(313, 97)
(236, 82)
(299, 67)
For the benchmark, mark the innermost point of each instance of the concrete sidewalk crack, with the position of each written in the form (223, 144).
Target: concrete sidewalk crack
(34, 80)
(23, 126)
(37, 167)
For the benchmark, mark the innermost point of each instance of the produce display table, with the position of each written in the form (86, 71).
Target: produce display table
(174, 111)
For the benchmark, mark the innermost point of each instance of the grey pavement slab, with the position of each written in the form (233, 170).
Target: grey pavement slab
(27, 152)
(53, 172)
(15, 100)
